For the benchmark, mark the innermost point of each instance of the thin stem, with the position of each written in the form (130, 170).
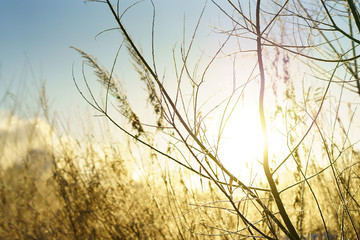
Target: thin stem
(292, 232)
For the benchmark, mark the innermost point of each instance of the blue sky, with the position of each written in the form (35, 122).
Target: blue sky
(36, 35)
(35, 46)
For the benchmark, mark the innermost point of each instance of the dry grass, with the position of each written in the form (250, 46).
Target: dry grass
(76, 191)
(81, 191)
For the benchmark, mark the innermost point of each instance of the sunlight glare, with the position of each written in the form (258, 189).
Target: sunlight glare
(241, 143)
(241, 146)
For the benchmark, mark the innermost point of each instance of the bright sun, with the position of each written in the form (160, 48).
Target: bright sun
(241, 145)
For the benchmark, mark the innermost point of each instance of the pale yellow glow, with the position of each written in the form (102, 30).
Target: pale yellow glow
(241, 146)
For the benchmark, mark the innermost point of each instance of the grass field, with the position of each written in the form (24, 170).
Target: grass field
(60, 188)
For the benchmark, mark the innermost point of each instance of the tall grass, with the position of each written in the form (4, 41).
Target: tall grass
(82, 189)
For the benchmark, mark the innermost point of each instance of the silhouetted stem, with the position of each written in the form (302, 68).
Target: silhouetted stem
(292, 234)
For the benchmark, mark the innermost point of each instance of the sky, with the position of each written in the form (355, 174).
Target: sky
(35, 47)
(35, 39)
(36, 36)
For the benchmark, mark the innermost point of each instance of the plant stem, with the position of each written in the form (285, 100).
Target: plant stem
(292, 234)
